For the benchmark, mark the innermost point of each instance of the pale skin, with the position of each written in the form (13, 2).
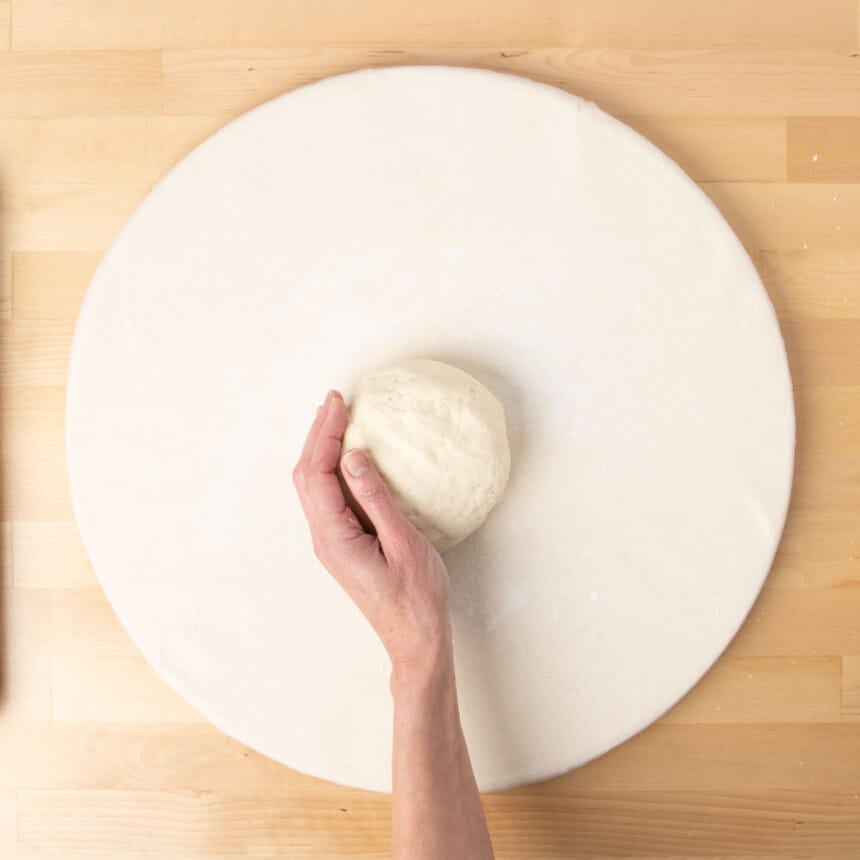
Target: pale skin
(400, 583)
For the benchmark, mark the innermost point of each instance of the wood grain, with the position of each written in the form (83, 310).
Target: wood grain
(30, 677)
(802, 622)
(851, 686)
(33, 455)
(758, 102)
(46, 24)
(5, 284)
(82, 624)
(823, 350)
(5, 33)
(721, 82)
(51, 285)
(65, 216)
(824, 149)
(834, 563)
(813, 757)
(49, 555)
(70, 83)
(114, 689)
(8, 823)
(766, 690)
(719, 149)
(813, 283)
(108, 150)
(133, 823)
(790, 216)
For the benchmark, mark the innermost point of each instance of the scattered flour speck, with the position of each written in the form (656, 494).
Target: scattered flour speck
(510, 601)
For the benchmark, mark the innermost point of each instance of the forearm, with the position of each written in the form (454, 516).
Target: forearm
(436, 807)
(400, 583)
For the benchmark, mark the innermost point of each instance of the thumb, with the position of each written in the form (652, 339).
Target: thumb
(369, 489)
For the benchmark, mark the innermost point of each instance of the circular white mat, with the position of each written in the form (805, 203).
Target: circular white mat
(503, 226)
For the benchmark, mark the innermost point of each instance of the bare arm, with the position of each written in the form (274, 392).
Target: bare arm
(437, 810)
(399, 581)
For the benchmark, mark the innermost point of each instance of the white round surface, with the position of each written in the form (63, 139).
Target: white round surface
(500, 225)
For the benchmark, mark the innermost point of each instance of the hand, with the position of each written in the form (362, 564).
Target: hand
(395, 577)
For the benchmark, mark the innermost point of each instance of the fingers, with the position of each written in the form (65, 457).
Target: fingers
(314, 476)
(311, 439)
(326, 451)
(372, 493)
(336, 532)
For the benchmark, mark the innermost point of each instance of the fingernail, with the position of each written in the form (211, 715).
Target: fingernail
(355, 462)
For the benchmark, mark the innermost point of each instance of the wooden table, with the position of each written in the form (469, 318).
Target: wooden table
(759, 100)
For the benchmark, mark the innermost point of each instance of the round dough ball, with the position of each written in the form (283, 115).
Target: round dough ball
(438, 437)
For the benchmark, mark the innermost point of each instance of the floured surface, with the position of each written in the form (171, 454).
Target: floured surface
(514, 231)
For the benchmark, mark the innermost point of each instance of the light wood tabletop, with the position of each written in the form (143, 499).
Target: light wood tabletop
(758, 100)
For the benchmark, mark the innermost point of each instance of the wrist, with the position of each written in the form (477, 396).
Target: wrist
(429, 669)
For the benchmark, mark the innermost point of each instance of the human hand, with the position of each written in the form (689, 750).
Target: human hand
(396, 577)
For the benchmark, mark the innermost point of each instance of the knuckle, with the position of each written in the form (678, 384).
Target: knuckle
(400, 543)
(373, 494)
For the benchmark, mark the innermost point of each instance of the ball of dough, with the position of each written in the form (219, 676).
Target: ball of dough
(438, 437)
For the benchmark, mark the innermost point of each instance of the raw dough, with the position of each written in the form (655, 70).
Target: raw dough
(515, 231)
(438, 437)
